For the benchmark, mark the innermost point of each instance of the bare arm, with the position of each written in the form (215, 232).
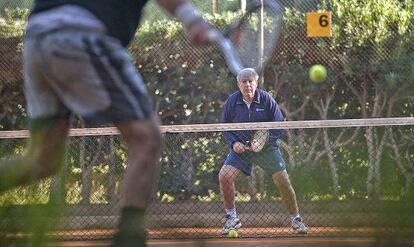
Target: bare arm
(195, 25)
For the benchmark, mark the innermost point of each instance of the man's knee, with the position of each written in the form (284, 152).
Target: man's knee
(281, 178)
(47, 161)
(149, 139)
(226, 176)
(47, 149)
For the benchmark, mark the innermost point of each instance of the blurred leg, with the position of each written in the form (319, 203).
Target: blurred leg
(143, 141)
(44, 157)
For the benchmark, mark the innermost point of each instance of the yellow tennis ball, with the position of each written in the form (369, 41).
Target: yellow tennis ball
(318, 73)
(233, 234)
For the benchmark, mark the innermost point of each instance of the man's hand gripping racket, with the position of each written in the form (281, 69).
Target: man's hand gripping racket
(250, 41)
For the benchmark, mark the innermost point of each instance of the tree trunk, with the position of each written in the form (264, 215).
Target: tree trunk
(404, 163)
(409, 187)
(375, 149)
(111, 188)
(332, 165)
(252, 186)
(215, 6)
(291, 143)
(86, 173)
(371, 163)
(188, 172)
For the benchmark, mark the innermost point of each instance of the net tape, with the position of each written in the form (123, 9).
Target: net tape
(307, 124)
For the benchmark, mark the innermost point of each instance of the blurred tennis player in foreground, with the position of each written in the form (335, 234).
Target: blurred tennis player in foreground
(251, 104)
(75, 62)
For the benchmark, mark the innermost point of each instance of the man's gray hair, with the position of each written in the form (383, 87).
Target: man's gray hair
(247, 72)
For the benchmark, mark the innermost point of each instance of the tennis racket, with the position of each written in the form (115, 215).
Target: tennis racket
(250, 41)
(259, 140)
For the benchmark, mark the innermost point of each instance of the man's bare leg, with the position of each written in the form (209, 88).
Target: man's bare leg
(282, 182)
(227, 176)
(143, 140)
(44, 157)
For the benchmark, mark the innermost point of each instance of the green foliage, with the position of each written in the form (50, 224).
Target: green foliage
(190, 165)
(15, 4)
(152, 12)
(13, 22)
(182, 85)
(370, 54)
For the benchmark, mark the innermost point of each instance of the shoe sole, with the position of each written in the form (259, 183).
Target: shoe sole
(224, 232)
(300, 231)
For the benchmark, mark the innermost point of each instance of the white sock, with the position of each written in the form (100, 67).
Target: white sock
(232, 212)
(294, 216)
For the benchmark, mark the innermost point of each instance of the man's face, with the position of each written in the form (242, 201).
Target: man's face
(247, 85)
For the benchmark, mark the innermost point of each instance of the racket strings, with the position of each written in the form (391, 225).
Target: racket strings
(256, 35)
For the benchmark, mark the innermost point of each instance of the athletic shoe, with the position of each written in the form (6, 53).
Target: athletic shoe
(231, 223)
(298, 226)
(122, 239)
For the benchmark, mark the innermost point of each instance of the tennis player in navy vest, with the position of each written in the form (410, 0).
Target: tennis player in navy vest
(251, 104)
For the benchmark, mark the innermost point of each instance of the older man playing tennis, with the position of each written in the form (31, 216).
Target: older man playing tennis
(251, 104)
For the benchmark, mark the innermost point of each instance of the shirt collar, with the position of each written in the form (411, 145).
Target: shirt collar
(256, 98)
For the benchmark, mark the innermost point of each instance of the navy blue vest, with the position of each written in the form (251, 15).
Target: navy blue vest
(121, 17)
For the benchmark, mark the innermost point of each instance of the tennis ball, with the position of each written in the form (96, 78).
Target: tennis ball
(317, 73)
(233, 234)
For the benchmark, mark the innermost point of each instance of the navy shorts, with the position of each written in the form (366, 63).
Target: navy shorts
(269, 159)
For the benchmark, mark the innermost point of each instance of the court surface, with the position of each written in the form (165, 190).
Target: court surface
(279, 242)
(211, 237)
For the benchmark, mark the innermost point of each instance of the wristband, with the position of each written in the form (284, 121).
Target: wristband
(187, 14)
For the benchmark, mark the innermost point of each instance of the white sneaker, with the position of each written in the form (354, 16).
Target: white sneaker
(231, 223)
(298, 226)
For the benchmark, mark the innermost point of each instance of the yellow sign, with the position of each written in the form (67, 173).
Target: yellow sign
(319, 24)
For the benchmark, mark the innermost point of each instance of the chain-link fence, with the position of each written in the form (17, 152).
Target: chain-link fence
(369, 60)
(349, 181)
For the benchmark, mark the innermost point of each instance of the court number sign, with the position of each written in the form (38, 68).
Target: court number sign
(319, 24)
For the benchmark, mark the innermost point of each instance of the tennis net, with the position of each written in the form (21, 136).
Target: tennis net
(351, 177)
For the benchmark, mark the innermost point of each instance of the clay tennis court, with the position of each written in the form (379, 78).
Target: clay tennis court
(265, 242)
(318, 237)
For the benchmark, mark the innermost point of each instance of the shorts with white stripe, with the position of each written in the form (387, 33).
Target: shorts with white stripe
(83, 72)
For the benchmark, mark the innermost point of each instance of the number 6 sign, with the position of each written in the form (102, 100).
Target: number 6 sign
(319, 24)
